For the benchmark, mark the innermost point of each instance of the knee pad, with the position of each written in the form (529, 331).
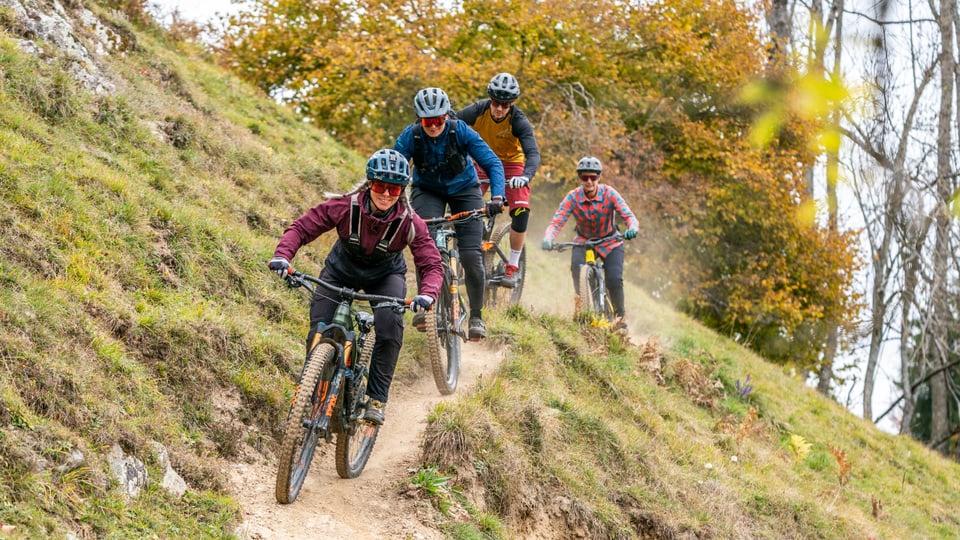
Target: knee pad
(520, 217)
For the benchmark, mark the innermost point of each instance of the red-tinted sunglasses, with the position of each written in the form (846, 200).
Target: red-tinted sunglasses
(500, 104)
(394, 190)
(436, 121)
(589, 178)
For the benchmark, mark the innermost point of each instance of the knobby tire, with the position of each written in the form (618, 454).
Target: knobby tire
(300, 435)
(586, 290)
(593, 297)
(495, 295)
(601, 298)
(355, 442)
(443, 343)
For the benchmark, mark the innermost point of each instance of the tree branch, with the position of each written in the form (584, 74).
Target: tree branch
(914, 387)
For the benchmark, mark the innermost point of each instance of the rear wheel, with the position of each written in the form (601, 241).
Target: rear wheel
(444, 343)
(495, 260)
(300, 434)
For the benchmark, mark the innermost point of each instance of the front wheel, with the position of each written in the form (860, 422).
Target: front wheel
(584, 280)
(443, 342)
(354, 446)
(593, 294)
(300, 433)
(355, 441)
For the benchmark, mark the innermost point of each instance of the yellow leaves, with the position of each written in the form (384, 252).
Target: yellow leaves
(799, 447)
(808, 98)
(807, 213)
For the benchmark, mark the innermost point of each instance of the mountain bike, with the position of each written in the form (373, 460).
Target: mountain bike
(496, 255)
(330, 399)
(591, 281)
(445, 321)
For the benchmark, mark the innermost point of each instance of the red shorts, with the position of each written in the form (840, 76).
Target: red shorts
(516, 198)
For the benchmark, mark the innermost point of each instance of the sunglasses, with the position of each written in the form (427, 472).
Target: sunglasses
(500, 104)
(436, 121)
(589, 178)
(394, 190)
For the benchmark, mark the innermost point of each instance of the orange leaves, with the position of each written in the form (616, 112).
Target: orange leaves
(652, 88)
(843, 465)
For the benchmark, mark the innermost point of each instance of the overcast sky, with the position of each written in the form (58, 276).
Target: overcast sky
(198, 10)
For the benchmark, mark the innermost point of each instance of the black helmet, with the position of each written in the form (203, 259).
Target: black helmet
(389, 166)
(431, 102)
(503, 87)
(589, 164)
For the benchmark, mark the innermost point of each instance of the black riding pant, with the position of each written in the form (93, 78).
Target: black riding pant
(612, 274)
(387, 322)
(469, 235)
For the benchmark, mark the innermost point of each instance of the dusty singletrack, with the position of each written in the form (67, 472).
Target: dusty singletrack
(376, 505)
(372, 506)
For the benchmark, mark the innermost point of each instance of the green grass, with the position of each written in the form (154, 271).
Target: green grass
(135, 305)
(135, 300)
(572, 426)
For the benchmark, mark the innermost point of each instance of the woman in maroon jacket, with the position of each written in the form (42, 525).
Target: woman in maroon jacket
(374, 225)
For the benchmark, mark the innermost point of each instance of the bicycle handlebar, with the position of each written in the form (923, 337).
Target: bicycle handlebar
(299, 279)
(561, 246)
(459, 217)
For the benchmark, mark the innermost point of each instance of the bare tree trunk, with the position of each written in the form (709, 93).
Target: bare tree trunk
(778, 20)
(913, 234)
(833, 168)
(883, 216)
(937, 351)
(878, 316)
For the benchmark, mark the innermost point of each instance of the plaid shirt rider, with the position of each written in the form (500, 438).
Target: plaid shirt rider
(595, 217)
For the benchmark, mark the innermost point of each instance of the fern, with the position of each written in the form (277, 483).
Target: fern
(799, 447)
(843, 465)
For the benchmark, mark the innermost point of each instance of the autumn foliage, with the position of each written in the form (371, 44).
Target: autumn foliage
(654, 89)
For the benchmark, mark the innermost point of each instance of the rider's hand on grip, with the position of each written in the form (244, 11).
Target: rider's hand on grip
(421, 302)
(517, 182)
(630, 234)
(495, 206)
(547, 244)
(279, 265)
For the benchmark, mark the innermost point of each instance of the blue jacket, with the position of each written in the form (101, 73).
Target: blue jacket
(469, 143)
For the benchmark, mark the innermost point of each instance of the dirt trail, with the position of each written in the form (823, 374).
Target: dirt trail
(327, 506)
(368, 507)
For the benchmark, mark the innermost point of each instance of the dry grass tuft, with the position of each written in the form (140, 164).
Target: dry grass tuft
(445, 441)
(579, 519)
(651, 359)
(741, 428)
(696, 381)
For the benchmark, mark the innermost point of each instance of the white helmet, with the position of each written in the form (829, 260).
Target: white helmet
(431, 102)
(589, 164)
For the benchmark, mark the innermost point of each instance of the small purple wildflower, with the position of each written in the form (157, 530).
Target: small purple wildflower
(745, 389)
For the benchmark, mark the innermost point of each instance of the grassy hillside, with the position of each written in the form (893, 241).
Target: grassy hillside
(134, 301)
(583, 435)
(135, 307)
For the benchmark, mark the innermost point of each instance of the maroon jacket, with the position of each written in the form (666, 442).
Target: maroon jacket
(360, 266)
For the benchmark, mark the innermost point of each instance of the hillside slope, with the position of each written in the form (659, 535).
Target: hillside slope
(142, 191)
